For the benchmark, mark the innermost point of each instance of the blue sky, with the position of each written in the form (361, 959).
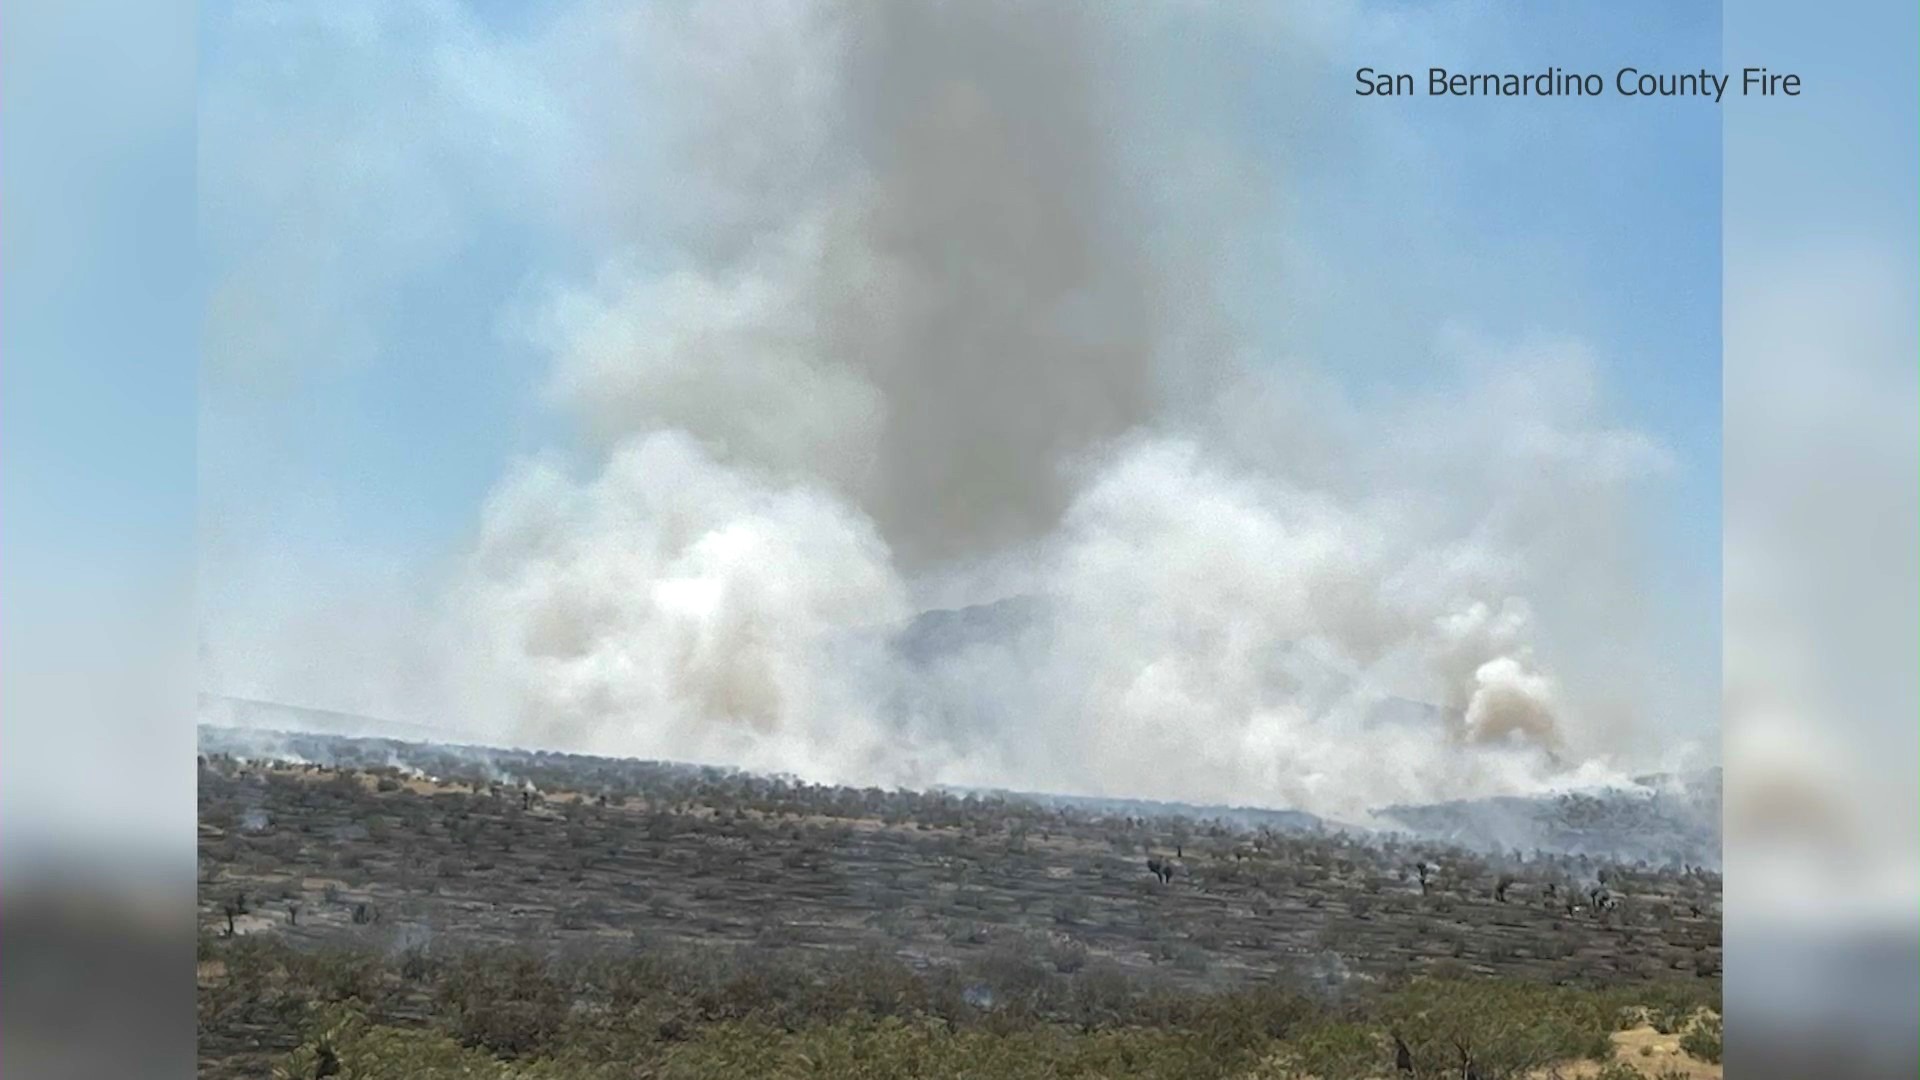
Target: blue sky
(1597, 220)
(387, 192)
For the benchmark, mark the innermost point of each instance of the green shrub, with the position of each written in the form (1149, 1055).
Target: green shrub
(1702, 1040)
(1506, 1028)
(686, 1012)
(1067, 956)
(508, 1003)
(1668, 1019)
(1329, 1051)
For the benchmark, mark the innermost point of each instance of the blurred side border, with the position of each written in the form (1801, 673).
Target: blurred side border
(99, 324)
(1821, 385)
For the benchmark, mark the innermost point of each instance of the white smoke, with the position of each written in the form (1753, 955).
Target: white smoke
(908, 333)
(1220, 635)
(676, 607)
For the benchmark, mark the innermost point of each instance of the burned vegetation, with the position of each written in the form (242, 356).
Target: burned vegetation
(500, 909)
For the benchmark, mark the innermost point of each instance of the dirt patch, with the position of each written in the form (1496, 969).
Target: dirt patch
(1646, 1050)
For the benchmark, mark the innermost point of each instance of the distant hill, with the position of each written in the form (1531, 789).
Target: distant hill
(976, 672)
(226, 711)
(1663, 817)
(943, 632)
(1247, 817)
(1662, 820)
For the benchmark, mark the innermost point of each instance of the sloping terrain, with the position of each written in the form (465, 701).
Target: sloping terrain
(395, 850)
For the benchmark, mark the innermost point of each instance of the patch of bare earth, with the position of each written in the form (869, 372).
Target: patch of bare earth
(1645, 1050)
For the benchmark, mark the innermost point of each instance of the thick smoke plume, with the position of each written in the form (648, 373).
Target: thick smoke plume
(918, 331)
(959, 303)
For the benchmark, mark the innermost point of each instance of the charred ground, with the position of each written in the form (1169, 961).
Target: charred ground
(417, 855)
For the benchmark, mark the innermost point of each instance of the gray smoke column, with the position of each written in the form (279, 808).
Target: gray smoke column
(956, 304)
(1024, 312)
(909, 331)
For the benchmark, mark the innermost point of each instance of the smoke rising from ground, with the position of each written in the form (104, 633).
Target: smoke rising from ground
(918, 328)
(959, 304)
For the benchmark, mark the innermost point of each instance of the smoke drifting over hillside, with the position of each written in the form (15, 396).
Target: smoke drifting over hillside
(923, 328)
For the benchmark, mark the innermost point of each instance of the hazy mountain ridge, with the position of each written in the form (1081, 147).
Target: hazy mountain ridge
(942, 632)
(1665, 816)
(1666, 819)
